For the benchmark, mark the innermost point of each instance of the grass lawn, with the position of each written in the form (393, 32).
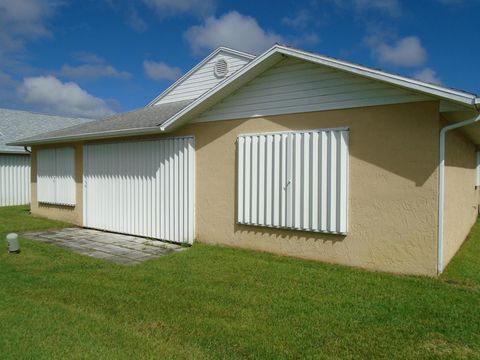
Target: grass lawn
(215, 302)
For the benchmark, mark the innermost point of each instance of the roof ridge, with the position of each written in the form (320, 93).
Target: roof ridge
(44, 114)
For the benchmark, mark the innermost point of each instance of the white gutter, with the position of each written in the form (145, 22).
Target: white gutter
(441, 186)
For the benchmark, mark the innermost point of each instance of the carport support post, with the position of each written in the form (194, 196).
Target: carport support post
(441, 186)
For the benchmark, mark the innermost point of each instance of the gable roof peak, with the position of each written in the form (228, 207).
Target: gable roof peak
(233, 52)
(271, 56)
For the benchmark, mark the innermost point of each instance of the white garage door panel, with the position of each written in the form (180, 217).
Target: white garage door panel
(141, 188)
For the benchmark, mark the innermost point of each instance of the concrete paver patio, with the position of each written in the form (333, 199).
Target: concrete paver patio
(117, 248)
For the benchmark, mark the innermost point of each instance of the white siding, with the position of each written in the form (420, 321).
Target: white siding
(294, 180)
(142, 188)
(203, 79)
(294, 86)
(14, 179)
(56, 176)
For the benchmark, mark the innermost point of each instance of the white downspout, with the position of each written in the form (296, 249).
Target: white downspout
(441, 186)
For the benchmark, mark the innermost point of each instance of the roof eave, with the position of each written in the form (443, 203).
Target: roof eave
(412, 84)
(88, 136)
(14, 152)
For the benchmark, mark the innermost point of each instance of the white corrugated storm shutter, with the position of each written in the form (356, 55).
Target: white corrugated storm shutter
(143, 188)
(295, 180)
(478, 169)
(56, 176)
(14, 179)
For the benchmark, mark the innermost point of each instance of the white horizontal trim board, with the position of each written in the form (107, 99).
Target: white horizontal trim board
(296, 180)
(294, 86)
(56, 176)
(203, 79)
(14, 179)
(141, 188)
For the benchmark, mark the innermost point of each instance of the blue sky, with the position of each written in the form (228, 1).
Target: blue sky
(93, 58)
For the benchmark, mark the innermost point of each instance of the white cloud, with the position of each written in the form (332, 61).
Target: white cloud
(449, 2)
(161, 71)
(168, 7)
(92, 71)
(406, 52)
(24, 19)
(389, 7)
(299, 20)
(53, 96)
(305, 39)
(136, 22)
(5, 79)
(88, 57)
(8, 96)
(92, 67)
(128, 9)
(231, 29)
(428, 75)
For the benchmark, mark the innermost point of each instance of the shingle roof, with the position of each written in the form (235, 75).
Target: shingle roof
(15, 124)
(144, 118)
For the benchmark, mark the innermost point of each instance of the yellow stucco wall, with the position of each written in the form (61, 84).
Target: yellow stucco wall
(461, 196)
(392, 190)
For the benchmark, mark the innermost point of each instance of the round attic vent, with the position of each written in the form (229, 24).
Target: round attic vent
(221, 68)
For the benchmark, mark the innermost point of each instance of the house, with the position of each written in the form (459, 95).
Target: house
(288, 152)
(15, 160)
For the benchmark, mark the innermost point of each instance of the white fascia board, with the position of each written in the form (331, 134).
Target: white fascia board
(236, 52)
(411, 84)
(196, 67)
(14, 152)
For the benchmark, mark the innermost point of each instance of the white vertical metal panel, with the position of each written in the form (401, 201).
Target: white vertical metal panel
(65, 176)
(269, 180)
(141, 188)
(14, 179)
(277, 180)
(478, 169)
(295, 180)
(56, 176)
(240, 178)
(46, 171)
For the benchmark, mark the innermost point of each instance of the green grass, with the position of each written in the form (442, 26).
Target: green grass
(18, 219)
(215, 302)
(465, 266)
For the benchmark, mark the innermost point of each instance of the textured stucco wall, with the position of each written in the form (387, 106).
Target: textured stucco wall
(461, 197)
(392, 188)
